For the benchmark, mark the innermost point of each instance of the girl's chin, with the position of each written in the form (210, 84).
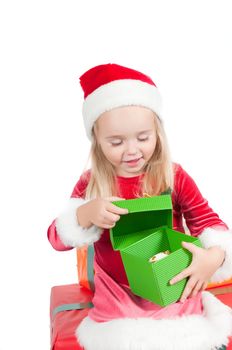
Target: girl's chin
(129, 172)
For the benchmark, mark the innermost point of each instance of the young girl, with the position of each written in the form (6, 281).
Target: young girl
(130, 157)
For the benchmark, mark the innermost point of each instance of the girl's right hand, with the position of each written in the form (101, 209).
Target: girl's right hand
(100, 212)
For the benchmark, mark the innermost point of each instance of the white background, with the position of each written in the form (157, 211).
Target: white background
(185, 46)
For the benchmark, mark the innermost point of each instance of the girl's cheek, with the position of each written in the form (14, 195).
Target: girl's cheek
(116, 151)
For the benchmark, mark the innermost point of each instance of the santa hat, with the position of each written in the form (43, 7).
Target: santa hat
(109, 86)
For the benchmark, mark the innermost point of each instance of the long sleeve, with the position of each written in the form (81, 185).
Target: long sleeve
(65, 232)
(194, 207)
(54, 238)
(203, 222)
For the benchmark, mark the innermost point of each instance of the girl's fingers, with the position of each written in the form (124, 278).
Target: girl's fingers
(188, 289)
(111, 218)
(183, 274)
(110, 215)
(108, 226)
(198, 288)
(116, 210)
(205, 284)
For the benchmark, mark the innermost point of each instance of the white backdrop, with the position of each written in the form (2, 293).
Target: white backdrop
(185, 46)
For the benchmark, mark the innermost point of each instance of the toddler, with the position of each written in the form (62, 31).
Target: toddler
(130, 157)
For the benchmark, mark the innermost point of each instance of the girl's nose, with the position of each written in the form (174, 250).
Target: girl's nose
(131, 147)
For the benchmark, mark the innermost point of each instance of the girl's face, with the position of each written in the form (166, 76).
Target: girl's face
(127, 136)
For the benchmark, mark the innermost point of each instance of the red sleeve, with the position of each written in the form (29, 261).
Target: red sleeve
(80, 187)
(78, 191)
(194, 207)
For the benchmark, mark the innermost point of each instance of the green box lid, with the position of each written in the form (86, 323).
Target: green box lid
(145, 215)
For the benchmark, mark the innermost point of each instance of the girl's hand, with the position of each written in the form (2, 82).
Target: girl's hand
(204, 263)
(100, 212)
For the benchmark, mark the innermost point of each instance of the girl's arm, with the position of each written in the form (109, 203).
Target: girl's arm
(194, 207)
(82, 221)
(65, 232)
(54, 238)
(213, 263)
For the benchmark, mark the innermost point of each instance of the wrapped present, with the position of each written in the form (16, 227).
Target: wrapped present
(69, 304)
(223, 291)
(142, 236)
(85, 272)
(224, 287)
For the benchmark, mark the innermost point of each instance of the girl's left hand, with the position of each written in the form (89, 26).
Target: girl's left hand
(204, 263)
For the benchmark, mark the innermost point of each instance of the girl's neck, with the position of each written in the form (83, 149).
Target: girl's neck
(133, 177)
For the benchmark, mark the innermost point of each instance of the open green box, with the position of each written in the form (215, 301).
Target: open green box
(145, 231)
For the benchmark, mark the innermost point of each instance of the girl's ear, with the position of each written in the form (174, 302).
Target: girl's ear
(95, 135)
(95, 130)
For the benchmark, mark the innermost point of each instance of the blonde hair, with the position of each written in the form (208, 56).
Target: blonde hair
(158, 172)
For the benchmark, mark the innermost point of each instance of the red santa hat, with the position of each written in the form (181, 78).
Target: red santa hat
(109, 86)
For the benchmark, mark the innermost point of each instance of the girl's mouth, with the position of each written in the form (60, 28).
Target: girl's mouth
(133, 162)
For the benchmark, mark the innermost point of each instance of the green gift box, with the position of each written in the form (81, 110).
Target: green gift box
(145, 231)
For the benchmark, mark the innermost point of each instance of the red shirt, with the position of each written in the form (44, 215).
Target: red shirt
(187, 202)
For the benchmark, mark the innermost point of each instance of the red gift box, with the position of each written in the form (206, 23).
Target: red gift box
(64, 323)
(65, 315)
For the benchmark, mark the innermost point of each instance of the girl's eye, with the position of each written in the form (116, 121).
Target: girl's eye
(116, 143)
(143, 139)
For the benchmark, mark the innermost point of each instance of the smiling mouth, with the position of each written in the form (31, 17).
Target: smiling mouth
(132, 160)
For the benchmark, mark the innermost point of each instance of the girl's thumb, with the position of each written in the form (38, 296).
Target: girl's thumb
(189, 246)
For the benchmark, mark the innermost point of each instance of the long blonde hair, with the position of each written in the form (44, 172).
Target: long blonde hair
(158, 172)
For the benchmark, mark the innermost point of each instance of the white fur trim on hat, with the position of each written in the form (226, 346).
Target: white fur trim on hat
(193, 332)
(119, 93)
(212, 237)
(68, 229)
